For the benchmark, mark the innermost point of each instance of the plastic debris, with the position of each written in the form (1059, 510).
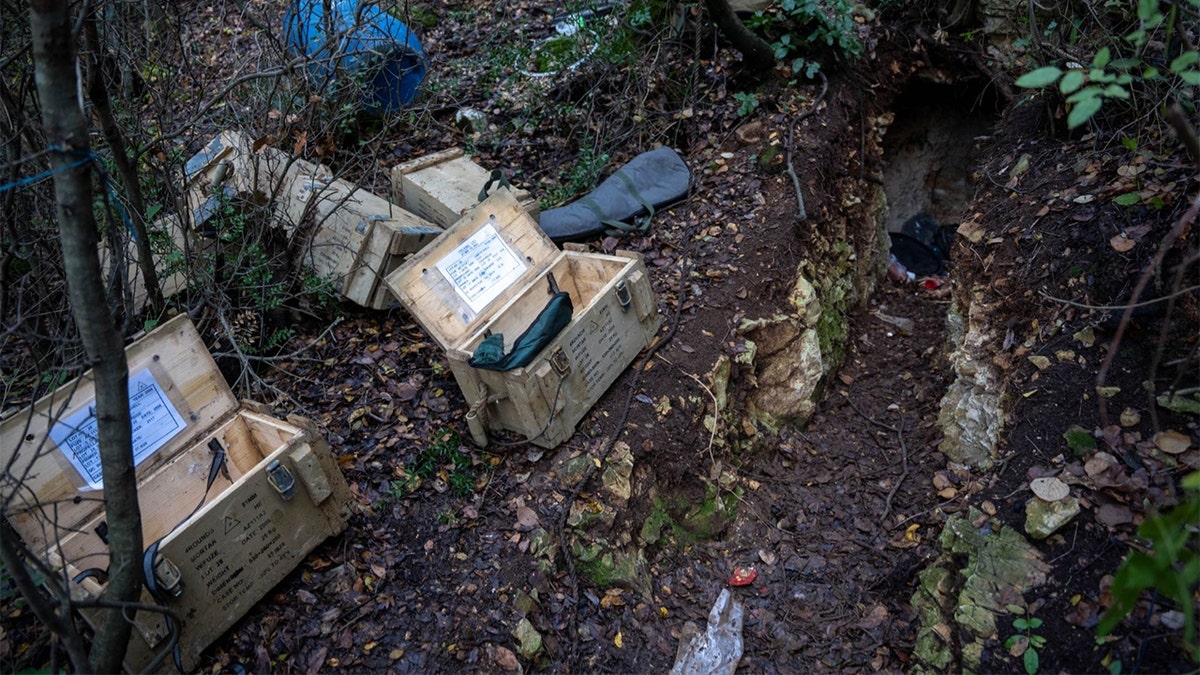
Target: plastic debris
(718, 649)
(743, 576)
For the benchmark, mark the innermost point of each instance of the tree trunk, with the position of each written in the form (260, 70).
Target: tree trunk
(67, 136)
(756, 53)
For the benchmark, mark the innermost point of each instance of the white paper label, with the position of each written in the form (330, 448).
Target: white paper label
(482, 267)
(155, 422)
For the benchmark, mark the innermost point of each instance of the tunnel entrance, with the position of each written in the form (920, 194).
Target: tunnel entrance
(930, 149)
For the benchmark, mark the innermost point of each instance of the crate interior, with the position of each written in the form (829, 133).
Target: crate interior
(174, 492)
(582, 276)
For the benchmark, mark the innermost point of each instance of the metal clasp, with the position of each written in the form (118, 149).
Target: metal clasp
(282, 480)
(168, 576)
(560, 362)
(623, 295)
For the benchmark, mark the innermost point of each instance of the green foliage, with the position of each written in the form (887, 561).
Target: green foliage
(802, 26)
(1079, 440)
(1025, 643)
(442, 458)
(747, 103)
(1087, 89)
(583, 176)
(1170, 565)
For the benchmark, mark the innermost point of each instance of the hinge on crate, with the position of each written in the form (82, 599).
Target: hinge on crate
(623, 296)
(282, 480)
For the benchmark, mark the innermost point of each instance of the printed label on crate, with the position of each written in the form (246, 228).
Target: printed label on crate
(155, 422)
(482, 267)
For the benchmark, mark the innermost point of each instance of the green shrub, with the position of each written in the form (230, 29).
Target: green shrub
(1170, 564)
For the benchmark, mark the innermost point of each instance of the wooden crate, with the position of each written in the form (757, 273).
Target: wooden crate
(444, 186)
(351, 237)
(500, 261)
(230, 543)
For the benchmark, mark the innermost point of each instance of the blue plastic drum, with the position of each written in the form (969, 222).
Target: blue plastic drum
(368, 46)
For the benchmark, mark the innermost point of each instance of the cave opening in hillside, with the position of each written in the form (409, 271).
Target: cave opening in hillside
(932, 148)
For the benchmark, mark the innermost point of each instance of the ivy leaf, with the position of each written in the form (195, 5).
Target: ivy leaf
(1083, 111)
(1041, 77)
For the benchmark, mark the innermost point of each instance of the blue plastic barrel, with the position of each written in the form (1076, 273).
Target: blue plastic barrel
(368, 46)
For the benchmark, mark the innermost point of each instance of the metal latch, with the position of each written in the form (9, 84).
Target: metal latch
(623, 295)
(167, 576)
(282, 480)
(560, 362)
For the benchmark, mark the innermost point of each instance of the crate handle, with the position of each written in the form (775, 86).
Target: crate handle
(167, 575)
(282, 480)
(623, 295)
(560, 362)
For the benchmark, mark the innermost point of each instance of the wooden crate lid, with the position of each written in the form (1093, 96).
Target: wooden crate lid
(44, 489)
(456, 283)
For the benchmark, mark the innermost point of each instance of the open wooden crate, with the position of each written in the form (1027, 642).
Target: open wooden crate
(489, 272)
(351, 237)
(276, 496)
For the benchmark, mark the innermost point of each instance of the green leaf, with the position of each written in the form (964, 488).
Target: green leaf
(1101, 58)
(1021, 623)
(1037, 641)
(1082, 112)
(1035, 623)
(1124, 64)
(1090, 91)
(1079, 440)
(1150, 73)
(1031, 661)
(1184, 60)
(1097, 75)
(1191, 481)
(1190, 76)
(152, 211)
(1012, 640)
(1116, 91)
(1041, 77)
(1130, 143)
(1128, 199)
(1071, 81)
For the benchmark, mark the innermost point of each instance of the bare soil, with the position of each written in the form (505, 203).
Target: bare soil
(838, 515)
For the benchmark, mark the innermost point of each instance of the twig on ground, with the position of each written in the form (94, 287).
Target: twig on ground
(887, 504)
(801, 211)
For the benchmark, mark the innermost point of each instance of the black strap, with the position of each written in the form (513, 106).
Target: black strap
(174, 627)
(496, 177)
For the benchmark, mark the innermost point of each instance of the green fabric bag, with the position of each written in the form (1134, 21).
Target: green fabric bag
(489, 355)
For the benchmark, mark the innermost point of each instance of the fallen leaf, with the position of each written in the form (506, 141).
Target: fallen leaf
(527, 519)
(972, 230)
(1172, 442)
(503, 656)
(766, 556)
(618, 640)
(1112, 515)
(1120, 243)
(1049, 489)
(874, 618)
